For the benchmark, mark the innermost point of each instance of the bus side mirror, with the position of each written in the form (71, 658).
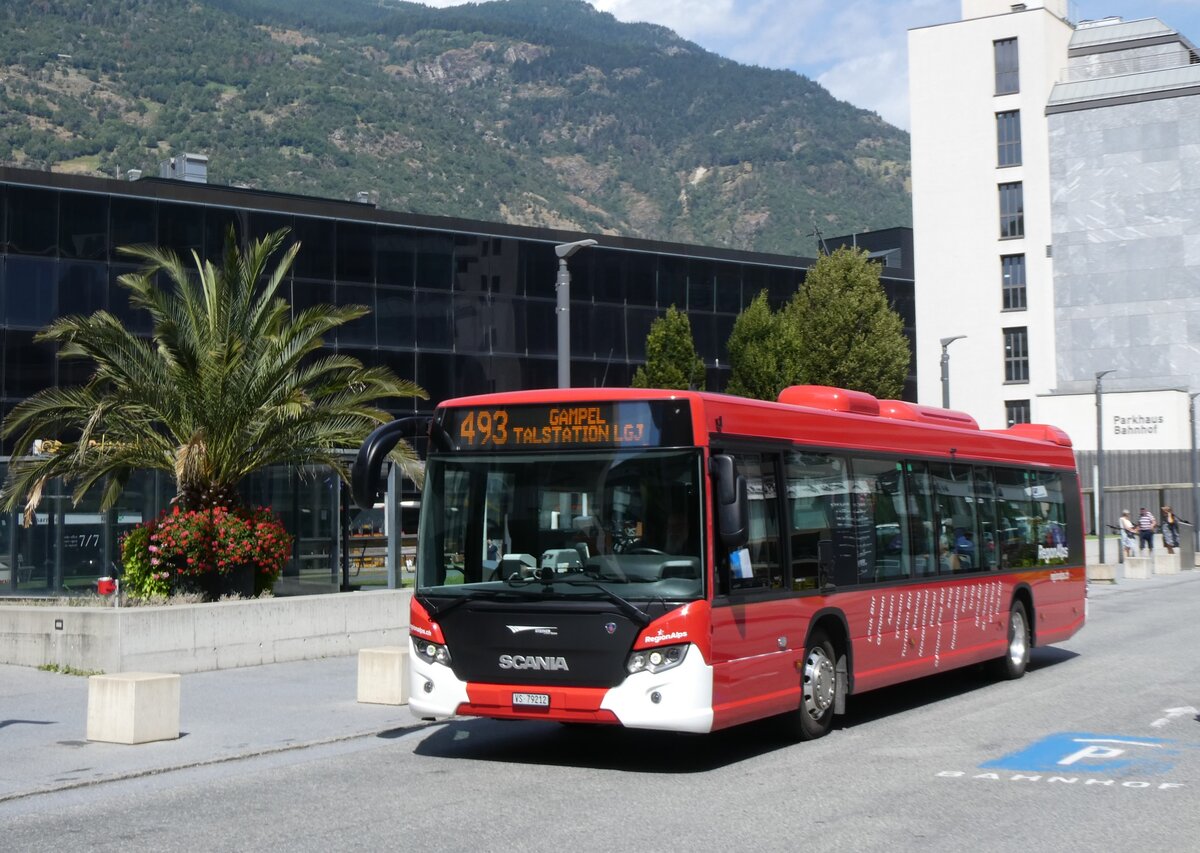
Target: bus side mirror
(366, 476)
(733, 512)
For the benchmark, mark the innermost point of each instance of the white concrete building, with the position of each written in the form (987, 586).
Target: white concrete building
(981, 204)
(1056, 213)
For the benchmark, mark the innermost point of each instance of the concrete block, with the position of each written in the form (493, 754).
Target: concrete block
(1139, 567)
(383, 675)
(1166, 564)
(133, 707)
(1102, 573)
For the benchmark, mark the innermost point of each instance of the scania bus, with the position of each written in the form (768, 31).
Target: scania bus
(690, 561)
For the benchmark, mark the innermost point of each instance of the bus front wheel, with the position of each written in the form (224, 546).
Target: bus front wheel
(1016, 657)
(818, 688)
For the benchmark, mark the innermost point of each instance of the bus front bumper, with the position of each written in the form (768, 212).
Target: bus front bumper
(678, 699)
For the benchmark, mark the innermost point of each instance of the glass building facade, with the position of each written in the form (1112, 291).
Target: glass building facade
(460, 307)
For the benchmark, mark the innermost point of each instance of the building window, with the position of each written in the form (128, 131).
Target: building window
(1016, 412)
(1012, 210)
(1012, 281)
(1008, 138)
(1016, 354)
(1007, 68)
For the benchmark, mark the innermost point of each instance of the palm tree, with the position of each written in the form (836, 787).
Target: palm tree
(228, 383)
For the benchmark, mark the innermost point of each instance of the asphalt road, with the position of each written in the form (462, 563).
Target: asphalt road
(1097, 748)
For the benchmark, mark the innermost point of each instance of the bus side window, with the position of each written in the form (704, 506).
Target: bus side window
(879, 502)
(985, 498)
(1046, 488)
(954, 499)
(1017, 519)
(819, 509)
(763, 568)
(920, 519)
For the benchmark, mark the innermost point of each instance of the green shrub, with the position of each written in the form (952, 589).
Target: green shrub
(141, 579)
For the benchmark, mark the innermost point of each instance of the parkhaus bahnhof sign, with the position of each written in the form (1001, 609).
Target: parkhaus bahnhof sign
(1131, 420)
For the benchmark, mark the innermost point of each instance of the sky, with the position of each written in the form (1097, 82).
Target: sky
(857, 49)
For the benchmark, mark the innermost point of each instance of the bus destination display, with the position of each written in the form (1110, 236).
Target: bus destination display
(654, 423)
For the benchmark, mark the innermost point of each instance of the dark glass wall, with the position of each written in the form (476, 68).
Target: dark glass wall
(456, 311)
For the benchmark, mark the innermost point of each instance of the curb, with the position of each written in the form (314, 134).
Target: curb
(210, 762)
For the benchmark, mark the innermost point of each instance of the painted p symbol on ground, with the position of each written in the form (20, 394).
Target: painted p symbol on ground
(1084, 752)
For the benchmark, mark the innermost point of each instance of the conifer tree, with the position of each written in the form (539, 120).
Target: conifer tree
(849, 336)
(671, 360)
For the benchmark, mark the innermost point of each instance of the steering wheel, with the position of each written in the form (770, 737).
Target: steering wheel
(642, 549)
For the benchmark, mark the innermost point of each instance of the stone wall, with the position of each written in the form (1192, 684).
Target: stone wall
(198, 637)
(1126, 221)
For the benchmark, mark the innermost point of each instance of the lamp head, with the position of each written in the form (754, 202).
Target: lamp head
(565, 250)
(947, 341)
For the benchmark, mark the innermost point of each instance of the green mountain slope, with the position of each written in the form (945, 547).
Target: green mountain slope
(540, 112)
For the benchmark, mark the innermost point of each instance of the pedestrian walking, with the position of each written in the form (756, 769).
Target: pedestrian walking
(1128, 533)
(1169, 525)
(1146, 527)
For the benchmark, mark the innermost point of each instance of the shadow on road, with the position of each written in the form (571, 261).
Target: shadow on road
(4, 723)
(934, 688)
(634, 751)
(599, 747)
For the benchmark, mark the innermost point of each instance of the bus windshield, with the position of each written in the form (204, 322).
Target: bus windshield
(591, 523)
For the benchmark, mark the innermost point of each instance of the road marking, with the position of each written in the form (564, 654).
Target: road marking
(1080, 781)
(1105, 754)
(1172, 713)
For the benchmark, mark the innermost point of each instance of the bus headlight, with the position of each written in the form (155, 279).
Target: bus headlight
(432, 652)
(655, 660)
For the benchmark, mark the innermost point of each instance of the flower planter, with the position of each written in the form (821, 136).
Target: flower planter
(252, 545)
(213, 585)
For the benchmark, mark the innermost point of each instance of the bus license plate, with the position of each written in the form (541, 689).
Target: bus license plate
(536, 700)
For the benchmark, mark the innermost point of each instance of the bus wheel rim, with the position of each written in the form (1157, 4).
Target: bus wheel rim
(1018, 645)
(818, 684)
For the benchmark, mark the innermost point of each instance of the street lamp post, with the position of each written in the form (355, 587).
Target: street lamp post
(1195, 477)
(1100, 516)
(946, 369)
(562, 289)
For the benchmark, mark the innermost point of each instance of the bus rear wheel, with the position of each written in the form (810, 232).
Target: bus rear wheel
(1016, 658)
(818, 689)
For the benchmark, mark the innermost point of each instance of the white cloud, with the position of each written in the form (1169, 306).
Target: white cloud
(857, 49)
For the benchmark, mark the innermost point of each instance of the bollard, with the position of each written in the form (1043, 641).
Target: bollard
(133, 707)
(1166, 564)
(1139, 567)
(383, 675)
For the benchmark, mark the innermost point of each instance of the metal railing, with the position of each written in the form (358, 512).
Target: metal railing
(1080, 71)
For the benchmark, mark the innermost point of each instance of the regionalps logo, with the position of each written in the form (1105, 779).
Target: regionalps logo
(661, 637)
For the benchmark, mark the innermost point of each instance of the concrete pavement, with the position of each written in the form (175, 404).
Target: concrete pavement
(225, 715)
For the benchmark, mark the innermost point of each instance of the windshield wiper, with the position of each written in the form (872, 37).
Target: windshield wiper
(641, 617)
(629, 608)
(473, 595)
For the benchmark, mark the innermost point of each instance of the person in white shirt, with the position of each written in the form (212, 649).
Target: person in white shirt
(1128, 533)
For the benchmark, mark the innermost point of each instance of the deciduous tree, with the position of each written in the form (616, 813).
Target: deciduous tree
(837, 329)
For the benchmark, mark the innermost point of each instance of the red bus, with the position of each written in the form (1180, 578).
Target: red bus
(691, 561)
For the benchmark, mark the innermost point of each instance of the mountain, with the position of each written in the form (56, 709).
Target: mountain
(538, 112)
